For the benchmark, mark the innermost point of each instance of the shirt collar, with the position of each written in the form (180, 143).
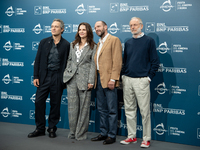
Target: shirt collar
(104, 39)
(52, 40)
(77, 45)
(139, 36)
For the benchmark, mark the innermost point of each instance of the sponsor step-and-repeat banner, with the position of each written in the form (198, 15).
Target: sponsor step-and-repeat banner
(175, 90)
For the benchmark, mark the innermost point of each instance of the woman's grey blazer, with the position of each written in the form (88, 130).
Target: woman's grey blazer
(84, 69)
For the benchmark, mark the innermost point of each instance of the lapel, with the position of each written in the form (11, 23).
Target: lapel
(49, 45)
(95, 56)
(105, 44)
(58, 45)
(74, 54)
(85, 50)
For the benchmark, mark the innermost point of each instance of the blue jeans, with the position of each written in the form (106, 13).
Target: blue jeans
(107, 107)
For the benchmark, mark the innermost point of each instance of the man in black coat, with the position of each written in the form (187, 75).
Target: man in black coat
(49, 66)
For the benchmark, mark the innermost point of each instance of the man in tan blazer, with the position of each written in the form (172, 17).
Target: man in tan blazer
(108, 61)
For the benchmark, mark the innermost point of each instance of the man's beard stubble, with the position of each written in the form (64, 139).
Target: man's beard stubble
(102, 33)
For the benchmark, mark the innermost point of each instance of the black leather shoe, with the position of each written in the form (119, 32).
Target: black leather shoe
(52, 134)
(36, 133)
(109, 140)
(99, 138)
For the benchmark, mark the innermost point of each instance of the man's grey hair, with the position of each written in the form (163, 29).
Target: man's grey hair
(140, 20)
(62, 26)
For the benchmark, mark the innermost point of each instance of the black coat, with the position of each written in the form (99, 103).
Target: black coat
(41, 59)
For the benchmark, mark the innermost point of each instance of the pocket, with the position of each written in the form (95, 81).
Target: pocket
(123, 79)
(144, 83)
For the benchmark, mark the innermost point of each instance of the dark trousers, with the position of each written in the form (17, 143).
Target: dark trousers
(107, 107)
(52, 85)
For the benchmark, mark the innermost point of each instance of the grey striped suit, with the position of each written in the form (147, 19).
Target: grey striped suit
(77, 75)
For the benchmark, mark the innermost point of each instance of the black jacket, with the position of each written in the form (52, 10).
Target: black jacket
(41, 59)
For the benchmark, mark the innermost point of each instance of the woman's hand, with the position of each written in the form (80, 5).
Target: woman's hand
(90, 86)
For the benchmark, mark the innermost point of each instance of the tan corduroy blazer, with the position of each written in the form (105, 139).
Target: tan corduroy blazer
(110, 61)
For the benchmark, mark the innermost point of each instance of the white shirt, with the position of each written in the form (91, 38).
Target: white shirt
(139, 36)
(79, 52)
(100, 47)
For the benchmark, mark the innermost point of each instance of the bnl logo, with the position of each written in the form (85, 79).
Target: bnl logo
(198, 133)
(68, 28)
(32, 114)
(0, 28)
(114, 7)
(35, 45)
(150, 27)
(37, 10)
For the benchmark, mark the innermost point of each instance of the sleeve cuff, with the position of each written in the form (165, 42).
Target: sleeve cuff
(112, 80)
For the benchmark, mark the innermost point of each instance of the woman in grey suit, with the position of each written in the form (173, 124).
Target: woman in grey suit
(79, 77)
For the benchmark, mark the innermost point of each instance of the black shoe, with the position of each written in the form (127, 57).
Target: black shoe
(99, 138)
(109, 140)
(36, 133)
(52, 133)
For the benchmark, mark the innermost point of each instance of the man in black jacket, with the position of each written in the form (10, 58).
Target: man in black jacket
(49, 66)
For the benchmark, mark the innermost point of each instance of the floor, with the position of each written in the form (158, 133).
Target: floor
(14, 137)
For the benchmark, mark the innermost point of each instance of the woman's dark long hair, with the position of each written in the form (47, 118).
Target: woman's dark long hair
(90, 40)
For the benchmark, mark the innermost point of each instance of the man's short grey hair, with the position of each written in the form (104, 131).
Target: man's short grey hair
(140, 20)
(62, 26)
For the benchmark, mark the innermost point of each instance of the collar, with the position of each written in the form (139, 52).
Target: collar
(104, 39)
(139, 36)
(77, 45)
(53, 40)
